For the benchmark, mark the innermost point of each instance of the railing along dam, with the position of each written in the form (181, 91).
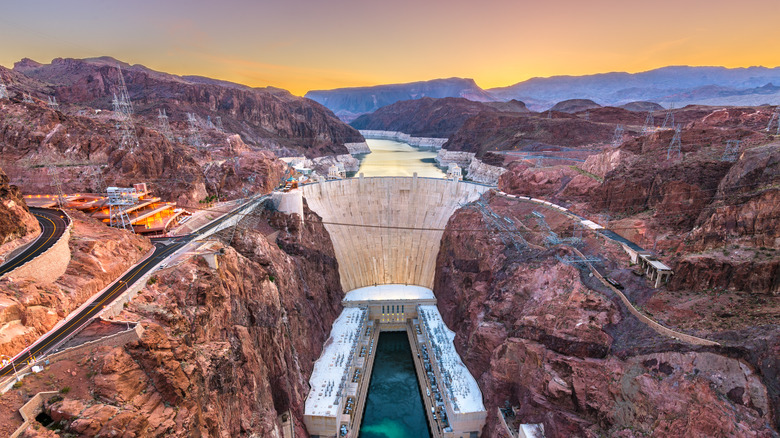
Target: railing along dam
(386, 230)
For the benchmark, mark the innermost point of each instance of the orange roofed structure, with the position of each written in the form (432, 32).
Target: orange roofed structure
(146, 214)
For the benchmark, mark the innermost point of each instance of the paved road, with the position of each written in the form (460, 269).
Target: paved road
(53, 225)
(163, 248)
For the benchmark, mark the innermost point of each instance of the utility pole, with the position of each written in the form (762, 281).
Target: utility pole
(675, 145)
(732, 151)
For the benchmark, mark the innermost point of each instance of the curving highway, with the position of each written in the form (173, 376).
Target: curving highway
(53, 225)
(163, 248)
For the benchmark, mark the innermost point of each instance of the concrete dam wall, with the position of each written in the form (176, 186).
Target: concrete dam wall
(369, 221)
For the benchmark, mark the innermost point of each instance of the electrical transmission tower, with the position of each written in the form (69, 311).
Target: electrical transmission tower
(165, 127)
(27, 98)
(649, 123)
(587, 115)
(218, 123)
(123, 110)
(669, 119)
(53, 103)
(618, 137)
(675, 150)
(195, 139)
(732, 151)
(55, 177)
(549, 113)
(209, 123)
(3, 91)
(774, 120)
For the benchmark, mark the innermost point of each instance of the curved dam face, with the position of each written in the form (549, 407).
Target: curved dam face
(381, 227)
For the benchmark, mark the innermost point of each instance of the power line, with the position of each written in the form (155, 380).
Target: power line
(669, 119)
(732, 151)
(165, 127)
(617, 138)
(123, 111)
(675, 145)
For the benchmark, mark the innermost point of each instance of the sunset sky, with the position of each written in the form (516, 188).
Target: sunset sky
(304, 45)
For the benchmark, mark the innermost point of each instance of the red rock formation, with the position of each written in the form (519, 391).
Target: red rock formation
(85, 149)
(491, 131)
(225, 350)
(541, 335)
(429, 117)
(268, 117)
(17, 225)
(99, 254)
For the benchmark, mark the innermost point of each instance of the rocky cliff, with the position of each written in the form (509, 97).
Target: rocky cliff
(17, 225)
(267, 117)
(493, 131)
(99, 254)
(426, 117)
(546, 338)
(349, 103)
(225, 350)
(38, 144)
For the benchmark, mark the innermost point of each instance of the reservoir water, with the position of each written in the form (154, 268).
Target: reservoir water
(393, 158)
(394, 406)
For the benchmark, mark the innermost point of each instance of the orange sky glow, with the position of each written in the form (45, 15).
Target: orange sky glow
(303, 45)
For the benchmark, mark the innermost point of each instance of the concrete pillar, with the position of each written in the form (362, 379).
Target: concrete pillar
(414, 181)
(289, 202)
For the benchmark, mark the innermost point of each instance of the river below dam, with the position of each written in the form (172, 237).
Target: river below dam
(394, 158)
(394, 406)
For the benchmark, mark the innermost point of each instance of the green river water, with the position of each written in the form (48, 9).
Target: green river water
(394, 406)
(393, 158)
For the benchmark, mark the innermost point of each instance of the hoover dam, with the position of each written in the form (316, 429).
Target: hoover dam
(386, 233)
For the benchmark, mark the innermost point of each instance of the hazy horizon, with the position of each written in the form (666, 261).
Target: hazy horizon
(301, 46)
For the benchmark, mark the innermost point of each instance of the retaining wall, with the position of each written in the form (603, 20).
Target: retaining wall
(31, 409)
(48, 266)
(115, 340)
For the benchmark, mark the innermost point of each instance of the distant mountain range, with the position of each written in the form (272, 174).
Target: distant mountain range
(676, 85)
(349, 103)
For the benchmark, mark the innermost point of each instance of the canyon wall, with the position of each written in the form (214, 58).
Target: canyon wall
(543, 336)
(225, 350)
(17, 226)
(411, 212)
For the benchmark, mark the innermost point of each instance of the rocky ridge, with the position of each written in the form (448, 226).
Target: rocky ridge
(267, 117)
(541, 335)
(225, 350)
